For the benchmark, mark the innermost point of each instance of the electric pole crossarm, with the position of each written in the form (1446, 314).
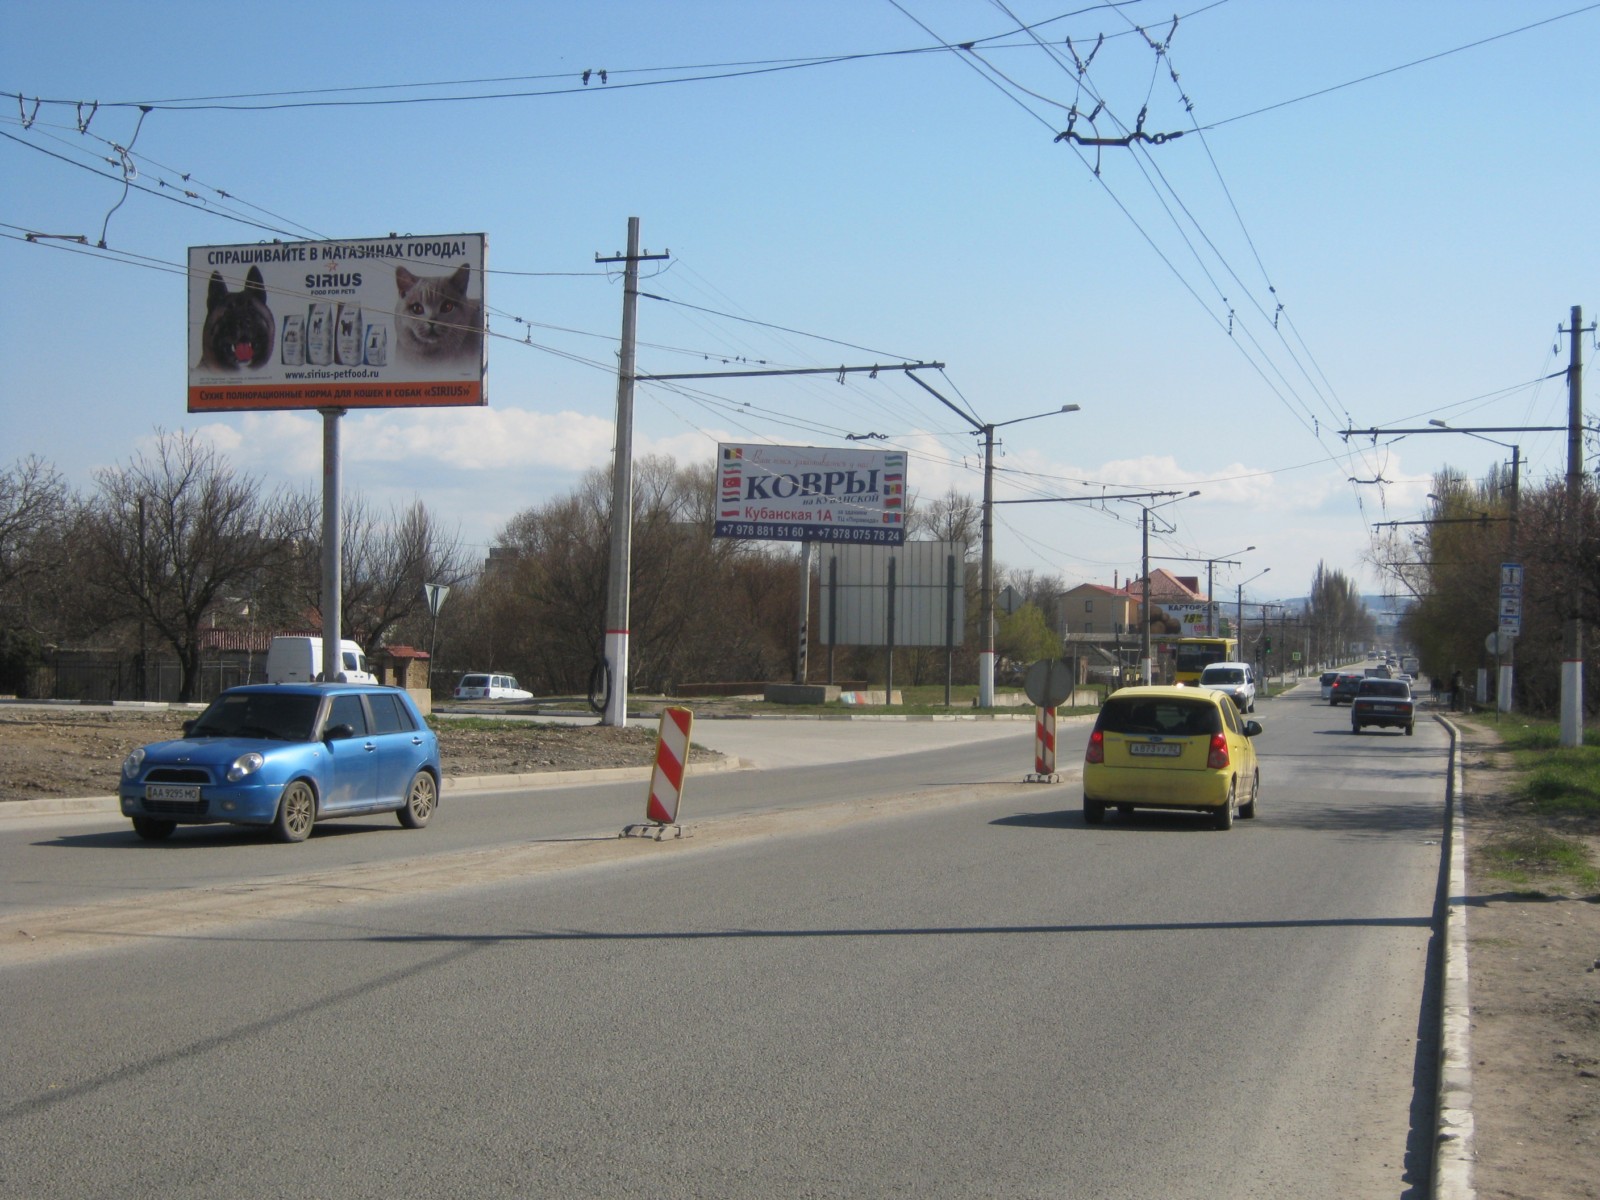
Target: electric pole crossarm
(1443, 521)
(1347, 434)
(1089, 499)
(839, 371)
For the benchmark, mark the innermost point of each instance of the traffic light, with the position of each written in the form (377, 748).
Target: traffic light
(1269, 644)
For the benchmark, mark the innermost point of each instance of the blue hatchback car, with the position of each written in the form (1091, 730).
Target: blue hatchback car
(287, 755)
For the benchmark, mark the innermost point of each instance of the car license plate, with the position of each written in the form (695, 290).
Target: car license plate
(1383, 708)
(171, 791)
(1155, 749)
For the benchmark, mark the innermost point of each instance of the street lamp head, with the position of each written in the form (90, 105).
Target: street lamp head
(1069, 408)
(1439, 423)
(1196, 492)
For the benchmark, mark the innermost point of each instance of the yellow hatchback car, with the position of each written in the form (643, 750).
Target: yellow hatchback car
(1171, 747)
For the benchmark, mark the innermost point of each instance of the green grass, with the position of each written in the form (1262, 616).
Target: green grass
(1539, 861)
(1555, 779)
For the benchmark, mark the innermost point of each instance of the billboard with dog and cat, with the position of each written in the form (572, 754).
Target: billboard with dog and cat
(393, 322)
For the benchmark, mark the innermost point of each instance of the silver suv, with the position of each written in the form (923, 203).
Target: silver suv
(1237, 679)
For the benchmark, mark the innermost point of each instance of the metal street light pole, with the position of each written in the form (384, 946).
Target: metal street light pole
(1573, 438)
(1238, 617)
(1211, 604)
(1144, 622)
(986, 577)
(1505, 648)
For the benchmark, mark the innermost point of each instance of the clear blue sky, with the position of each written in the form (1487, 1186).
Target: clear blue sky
(1425, 231)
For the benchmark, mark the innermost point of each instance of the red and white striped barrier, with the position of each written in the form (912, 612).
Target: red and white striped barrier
(1044, 742)
(672, 759)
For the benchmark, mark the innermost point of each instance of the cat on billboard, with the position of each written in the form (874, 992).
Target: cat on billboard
(364, 323)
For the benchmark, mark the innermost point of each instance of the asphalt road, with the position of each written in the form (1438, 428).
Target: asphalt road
(970, 994)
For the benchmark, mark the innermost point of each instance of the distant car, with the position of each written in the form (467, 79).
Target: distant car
(1344, 688)
(491, 687)
(1171, 748)
(1386, 703)
(285, 756)
(1327, 683)
(1235, 679)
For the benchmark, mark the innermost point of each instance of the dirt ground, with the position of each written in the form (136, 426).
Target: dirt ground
(1534, 977)
(72, 751)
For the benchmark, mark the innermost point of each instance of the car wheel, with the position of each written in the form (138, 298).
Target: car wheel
(422, 797)
(153, 829)
(1247, 810)
(297, 812)
(1411, 729)
(1093, 811)
(1224, 817)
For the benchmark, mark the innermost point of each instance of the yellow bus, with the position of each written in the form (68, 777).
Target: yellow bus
(1191, 655)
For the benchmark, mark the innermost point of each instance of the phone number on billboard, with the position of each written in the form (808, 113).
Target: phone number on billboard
(782, 532)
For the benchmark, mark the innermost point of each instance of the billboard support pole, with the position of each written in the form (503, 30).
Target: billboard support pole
(332, 546)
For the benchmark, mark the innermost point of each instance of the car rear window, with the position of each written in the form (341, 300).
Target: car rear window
(474, 680)
(388, 714)
(1328, 677)
(1164, 716)
(1392, 688)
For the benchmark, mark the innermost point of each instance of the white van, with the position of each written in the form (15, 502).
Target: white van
(299, 660)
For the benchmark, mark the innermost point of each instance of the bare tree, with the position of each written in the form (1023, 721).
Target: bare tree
(385, 558)
(35, 513)
(174, 532)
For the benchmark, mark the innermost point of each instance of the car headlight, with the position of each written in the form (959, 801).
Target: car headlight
(131, 764)
(245, 764)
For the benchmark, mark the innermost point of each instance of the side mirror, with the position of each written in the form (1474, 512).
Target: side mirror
(1251, 728)
(338, 732)
(188, 726)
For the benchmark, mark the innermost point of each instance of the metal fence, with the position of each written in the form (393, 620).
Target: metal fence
(100, 679)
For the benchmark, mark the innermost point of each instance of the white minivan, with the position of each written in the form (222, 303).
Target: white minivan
(299, 660)
(1237, 679)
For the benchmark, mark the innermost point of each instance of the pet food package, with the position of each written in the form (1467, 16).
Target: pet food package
(347, 335)
(319, 334)
(294, 340)
(377, 352)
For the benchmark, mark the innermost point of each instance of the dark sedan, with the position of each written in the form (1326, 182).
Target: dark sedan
(1344, 688)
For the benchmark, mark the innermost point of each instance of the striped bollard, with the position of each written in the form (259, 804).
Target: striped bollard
(666, 780)
(1044, 743)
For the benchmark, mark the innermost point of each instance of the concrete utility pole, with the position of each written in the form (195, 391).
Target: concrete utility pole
(617, 583)
(1211, 564)
(986, 580)
(1145, 554)
(1144, 624)
(1572, 663)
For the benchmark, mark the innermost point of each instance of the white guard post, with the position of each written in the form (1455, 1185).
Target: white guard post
(666, 781)
(1044, 747)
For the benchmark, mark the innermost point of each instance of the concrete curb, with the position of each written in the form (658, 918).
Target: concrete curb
(1454, 1150)
(464, 784)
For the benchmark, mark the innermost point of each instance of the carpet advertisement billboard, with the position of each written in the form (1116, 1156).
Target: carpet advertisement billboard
(392, 322)
(810, 494)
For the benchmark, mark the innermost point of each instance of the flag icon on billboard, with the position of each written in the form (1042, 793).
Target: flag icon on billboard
(732, 453)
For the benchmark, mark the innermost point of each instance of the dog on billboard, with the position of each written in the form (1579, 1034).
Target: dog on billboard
(239, 327)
